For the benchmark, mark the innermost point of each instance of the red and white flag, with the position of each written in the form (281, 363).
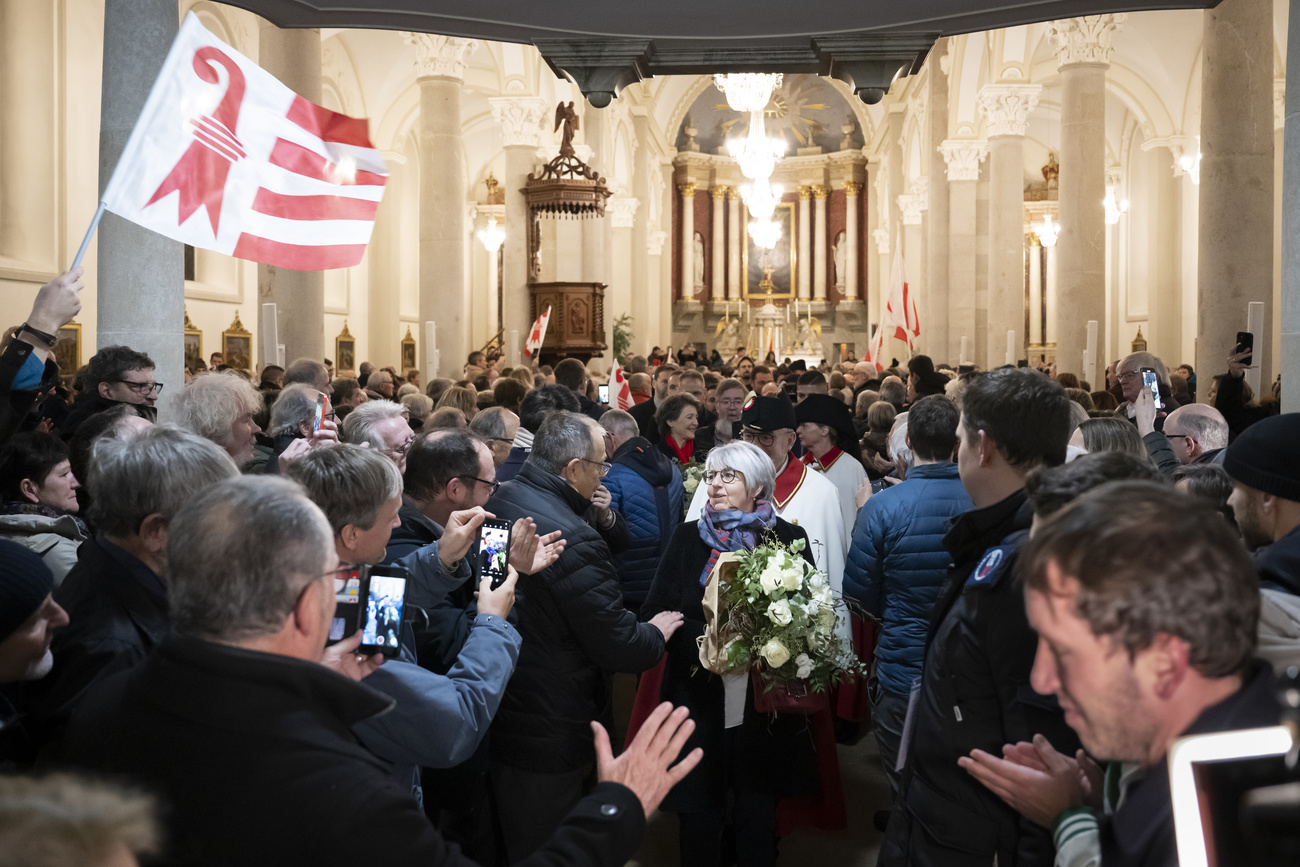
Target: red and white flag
(622, 391)
(900, 310)
(279, 180)
(537, 334)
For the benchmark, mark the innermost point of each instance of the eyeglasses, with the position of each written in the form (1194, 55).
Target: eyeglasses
(402, 449)
(493, 483)
(509, 442)
(726, 476)
(1169, 435)
(145, 389)
(604, 466)
(758, 439)
(1128, 374)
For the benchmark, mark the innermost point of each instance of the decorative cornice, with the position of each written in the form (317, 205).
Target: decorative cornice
(963, 158)
(853, 188)
(1006, 107)
(1084, 40)
(622, 211)
(520, 119)
(441, 56)
(819, 191)
(1279, 103)
(911, 206)
(881, 237)
(654, 243)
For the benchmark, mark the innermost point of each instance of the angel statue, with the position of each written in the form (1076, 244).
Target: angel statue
(729, 331)
(809, 338)
(564, 114)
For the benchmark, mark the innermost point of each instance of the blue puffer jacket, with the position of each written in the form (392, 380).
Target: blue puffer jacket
(646, 489)
(897, 565)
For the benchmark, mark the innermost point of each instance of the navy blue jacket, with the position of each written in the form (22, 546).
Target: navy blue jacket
(897, 565)
(646, 489)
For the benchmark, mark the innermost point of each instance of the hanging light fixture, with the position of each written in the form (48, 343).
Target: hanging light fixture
(491, 237)
(757, 154)
(765, 233)
(1114, 209)
(760, 198)
(1047, 231)
(1192, 164)
(748, 91)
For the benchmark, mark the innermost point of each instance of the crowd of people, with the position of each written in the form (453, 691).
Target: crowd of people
(1048, 582)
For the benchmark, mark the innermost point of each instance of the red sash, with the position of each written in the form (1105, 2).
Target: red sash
(789, 482)
(825, 462)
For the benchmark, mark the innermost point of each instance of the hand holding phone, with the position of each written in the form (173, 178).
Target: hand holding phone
(603, 393)
(494, 550)
(1151, 381)
(322, 405)
(385, 607)
(494, 598)
(1246, 344)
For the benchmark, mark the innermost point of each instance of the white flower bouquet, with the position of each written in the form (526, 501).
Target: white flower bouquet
(692, 475)
(775, 614)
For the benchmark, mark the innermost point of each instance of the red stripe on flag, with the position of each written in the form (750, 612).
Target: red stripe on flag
(330, 125)
(302, 161)
(297, 256)
(313, 207)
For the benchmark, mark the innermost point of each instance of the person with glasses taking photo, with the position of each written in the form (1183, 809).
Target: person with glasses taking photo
(114, 375)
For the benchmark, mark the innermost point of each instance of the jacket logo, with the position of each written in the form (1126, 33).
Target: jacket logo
(987, 569)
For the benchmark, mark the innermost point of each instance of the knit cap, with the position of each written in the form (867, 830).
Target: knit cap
(1263, 456)
(25, 581)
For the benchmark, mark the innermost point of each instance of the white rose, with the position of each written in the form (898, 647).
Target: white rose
(822, 596)
(817, 581)
(826, 620)
(775, 653)
(805, 663)
(770, 579)
(779, 613)
(792, 578)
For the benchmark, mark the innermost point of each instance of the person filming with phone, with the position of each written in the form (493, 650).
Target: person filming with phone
(1233, 398)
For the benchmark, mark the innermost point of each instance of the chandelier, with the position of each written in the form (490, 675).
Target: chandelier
(748, 91)
(765, 233)
(756, 153)
(1047, 231)
(1114, 208)
(760, 198)
(491, 237)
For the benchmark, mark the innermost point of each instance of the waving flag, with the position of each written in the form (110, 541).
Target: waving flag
(278, 180)
(618, 385)
(537, 334)
(900, 310)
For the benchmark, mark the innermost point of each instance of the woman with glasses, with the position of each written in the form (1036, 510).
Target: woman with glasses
(678, 418)
(751, 760)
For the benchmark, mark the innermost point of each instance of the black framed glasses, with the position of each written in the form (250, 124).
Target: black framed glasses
(494, 484)
(144, 389)
(759, 439)
(726, 476)
(604, 466)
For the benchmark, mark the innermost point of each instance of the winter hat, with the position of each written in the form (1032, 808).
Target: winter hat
(1264, 456)
(25, 581)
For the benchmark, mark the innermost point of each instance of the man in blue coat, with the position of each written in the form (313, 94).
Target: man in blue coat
(897, 564)
(646, 489)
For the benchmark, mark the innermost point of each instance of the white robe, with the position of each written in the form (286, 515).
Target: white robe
(847, 475)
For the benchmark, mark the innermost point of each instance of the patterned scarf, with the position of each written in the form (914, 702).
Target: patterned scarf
(733, 530)
(20, 507)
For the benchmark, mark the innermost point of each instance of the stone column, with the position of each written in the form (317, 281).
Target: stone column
(962, 157)
(936, 224)
(1236, 189)
(688, 239)
(1006, 110)
(140, 281)
(805, 243)
(910, 207)
(1290, 312)
(819, 243)
(519, 120)
(719, 242)
(444, 191)
(1083, 47)
(852, 204)
(736, 235)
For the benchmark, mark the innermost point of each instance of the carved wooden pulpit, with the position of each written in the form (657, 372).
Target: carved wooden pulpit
(577, 326)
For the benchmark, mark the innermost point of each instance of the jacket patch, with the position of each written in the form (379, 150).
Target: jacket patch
(992, 566)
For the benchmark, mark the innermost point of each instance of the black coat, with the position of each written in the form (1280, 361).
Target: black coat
(575, 632)
(256, 765)
(644, 413)
(774, 754)
(14, 404)
(975, 694)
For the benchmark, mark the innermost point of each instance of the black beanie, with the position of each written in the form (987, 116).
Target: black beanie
(1263, 456)
(25, 581)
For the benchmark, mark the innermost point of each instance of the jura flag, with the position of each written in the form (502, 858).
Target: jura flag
(227, 158)
(622, 391)
(900, 310)
(538, 333)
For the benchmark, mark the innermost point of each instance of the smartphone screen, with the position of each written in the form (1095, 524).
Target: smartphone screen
(494, 550)
(347, 604)
(1151, 381)
(604, 393)
(1245, 341)
(319, 418)
(385, 602)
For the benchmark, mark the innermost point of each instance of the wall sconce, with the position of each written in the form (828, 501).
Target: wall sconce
(1191, 165)
(491, 237)
(1047, 231)
(1114, 209)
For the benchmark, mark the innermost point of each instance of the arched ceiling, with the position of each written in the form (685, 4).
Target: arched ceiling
(805, 111)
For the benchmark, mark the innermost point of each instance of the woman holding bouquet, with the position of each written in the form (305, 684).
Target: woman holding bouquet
(757, 758)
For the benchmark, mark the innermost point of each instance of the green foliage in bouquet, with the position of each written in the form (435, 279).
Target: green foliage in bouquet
(692, 477)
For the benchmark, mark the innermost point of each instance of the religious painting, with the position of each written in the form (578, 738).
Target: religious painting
(193, 346)
(345, 351)
(770, 273)
(237, 346)
(67, 348)
(408, 351)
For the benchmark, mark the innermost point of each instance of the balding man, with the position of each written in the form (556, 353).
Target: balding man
(309, 372)
(1192, 434)
(641, 387)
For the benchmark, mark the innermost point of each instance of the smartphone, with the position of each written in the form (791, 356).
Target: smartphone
(347, 603)
(385, 589)
(1152, 381)
(318, 420)
(603, 392)
(494, 550)
(1246, 340)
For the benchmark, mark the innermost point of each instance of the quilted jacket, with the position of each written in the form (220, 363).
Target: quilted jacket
(646, 489)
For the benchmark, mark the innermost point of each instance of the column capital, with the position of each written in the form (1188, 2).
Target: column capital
(805, 193)
(1006, 107)
(622, 211)
(921, 187)
(733, 194)
(963, 158)
(853, 188)
(441, 56)
(719, 192)
(520, 119)
(687, 189)
(654, 243)
(881, 237)
(911, 205)
(1084, 40)
(819, 191)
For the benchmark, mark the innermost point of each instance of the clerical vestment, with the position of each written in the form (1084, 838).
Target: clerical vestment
(846, 474)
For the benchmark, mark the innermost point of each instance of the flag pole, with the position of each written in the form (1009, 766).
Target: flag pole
(85, 242)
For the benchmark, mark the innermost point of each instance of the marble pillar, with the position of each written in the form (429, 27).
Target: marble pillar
(962, 158)
(1083, 48)
(687, 240)
(1290, 312)
(719, 243)
(596, 232)
(444, 192)
(1236, 189)
(1006, 110)
(140, 279)
(805, 242)
(819, 242)
(736, 235)
(645, 292)
(519, 121)
(852, 205)
(936, 224)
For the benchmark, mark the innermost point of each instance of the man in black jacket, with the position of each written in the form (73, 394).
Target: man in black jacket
(235, 708)
(114, 374)
(27, 366)
(572, 374)
(974, 691)
(575, 632)
(644, 413)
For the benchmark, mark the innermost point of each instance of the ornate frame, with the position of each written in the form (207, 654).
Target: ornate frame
(236, 341)
(193, 336)
(70, 333)
(345, 339)
(408, 354)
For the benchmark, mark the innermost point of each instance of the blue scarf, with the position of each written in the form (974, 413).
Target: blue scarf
(733, 530)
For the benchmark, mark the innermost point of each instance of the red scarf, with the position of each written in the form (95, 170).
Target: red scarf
(825, 462)
(683, 452)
